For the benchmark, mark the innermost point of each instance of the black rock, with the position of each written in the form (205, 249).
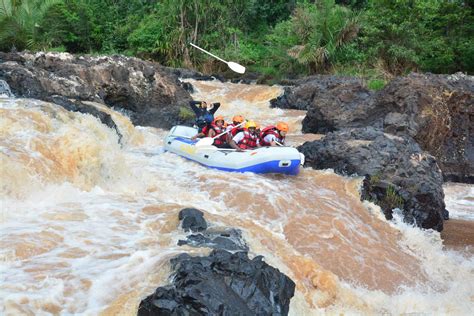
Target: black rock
(151, 94)
(435, 110)
(221, 284)
(230, 239)
(400, 174)
(79, 106)
(193, 220)
(188, 87)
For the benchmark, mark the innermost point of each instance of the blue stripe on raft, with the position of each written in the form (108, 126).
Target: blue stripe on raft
(186, 140)
(267, 167)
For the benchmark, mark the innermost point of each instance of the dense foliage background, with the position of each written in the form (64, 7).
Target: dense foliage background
(276, 38)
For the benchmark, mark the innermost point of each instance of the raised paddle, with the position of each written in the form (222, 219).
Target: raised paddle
(208, 141)
(234, 66)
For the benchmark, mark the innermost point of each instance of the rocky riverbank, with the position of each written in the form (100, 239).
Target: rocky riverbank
(405, 138)
(149, 93)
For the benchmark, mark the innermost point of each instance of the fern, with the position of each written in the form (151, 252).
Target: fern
(20, 22)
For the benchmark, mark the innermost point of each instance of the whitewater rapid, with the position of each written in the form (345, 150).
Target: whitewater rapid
(89, 224)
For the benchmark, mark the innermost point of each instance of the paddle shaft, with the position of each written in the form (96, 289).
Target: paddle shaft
(208, 53)
(227, 131)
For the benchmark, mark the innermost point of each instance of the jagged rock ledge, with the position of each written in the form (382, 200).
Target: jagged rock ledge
(399, 137)
(227, 282)
(149, 93)
(437, 111)
(399, 174)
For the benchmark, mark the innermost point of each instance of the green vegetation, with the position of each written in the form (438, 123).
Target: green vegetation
(373, 39)
(185, 113)
(392, 200)
(376, 84)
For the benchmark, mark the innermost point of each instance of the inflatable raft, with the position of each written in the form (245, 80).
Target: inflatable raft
(284, 160)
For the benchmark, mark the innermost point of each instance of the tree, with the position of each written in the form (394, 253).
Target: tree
(315, 33)
(20, 22)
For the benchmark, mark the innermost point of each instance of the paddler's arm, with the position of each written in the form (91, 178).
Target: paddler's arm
(211, 133)
(233, 142)
(215, 107)
(198, 135)
(193, 105)
(234, 145)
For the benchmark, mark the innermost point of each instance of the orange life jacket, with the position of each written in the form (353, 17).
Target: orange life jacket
(249, 141)
(273, 131)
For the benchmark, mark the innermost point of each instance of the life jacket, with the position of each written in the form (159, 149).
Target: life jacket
(205, 130)
(235, 130)
(249, 141)
(219, 130)
(270, 130)
(204, 118)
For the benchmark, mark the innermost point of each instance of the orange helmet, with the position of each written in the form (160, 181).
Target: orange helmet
(219, 118)
(238, 119)
(283, 127)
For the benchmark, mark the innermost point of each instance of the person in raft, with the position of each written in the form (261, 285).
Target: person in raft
(204, 113)
(247, 139)
(235, 127)
(218, 127)
(274, 135)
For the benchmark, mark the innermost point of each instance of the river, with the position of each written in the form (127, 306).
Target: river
(88, 225)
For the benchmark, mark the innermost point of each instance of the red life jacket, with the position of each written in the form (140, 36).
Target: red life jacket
(235, 130)
(249, 141)
(221, 139)
(273, 131)
(205, 130)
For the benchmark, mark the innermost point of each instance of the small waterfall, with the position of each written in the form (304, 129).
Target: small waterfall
(5, 90)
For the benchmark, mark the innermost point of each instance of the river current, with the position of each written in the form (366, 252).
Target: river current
(88, 225)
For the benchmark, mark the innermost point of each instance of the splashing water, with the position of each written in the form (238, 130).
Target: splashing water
(89, 225)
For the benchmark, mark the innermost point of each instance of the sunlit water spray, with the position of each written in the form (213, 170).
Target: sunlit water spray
(89, 225)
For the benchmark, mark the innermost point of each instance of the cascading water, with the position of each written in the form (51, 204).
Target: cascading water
(89, 225)
(5, 91)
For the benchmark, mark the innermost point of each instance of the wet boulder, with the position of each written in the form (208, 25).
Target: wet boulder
(82, 107)
(347, 105)
(399, 173)
(192, 220)
(438, 112)
(303, 94)
(222, 283)
(228, 239)
(151, 95)
(226, 282)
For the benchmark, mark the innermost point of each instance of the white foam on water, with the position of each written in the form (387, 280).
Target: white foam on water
(71, 248)
(459, 199)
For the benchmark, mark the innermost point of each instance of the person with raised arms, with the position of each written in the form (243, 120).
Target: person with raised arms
(204, 113)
